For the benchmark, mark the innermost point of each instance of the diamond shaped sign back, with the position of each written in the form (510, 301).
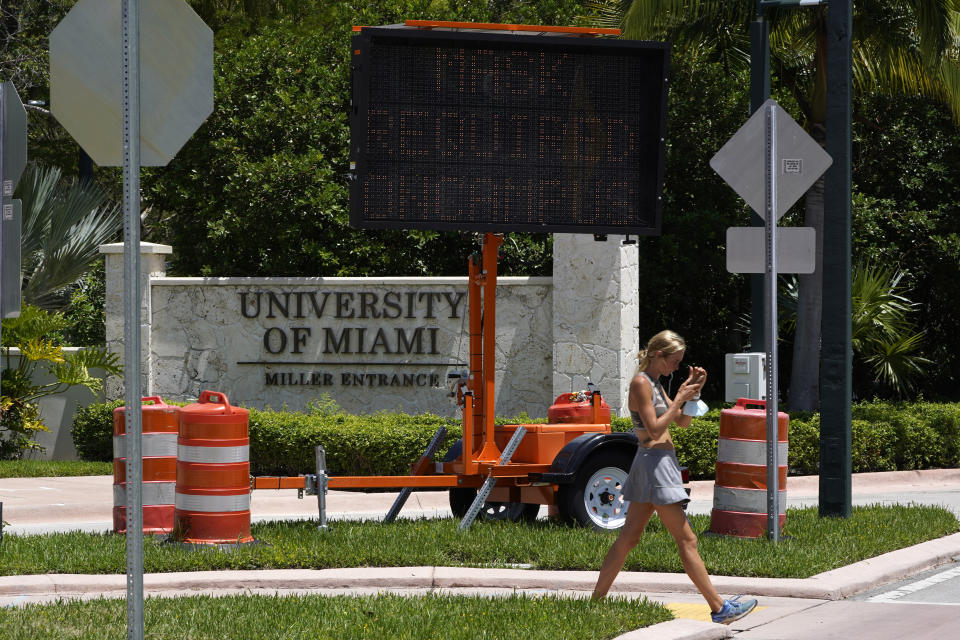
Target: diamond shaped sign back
(800, 160)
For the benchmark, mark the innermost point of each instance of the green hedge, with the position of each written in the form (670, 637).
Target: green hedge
(377, 444)
(886, 436)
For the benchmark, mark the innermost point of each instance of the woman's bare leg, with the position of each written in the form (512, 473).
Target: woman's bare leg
(638, 514)
(675, 521)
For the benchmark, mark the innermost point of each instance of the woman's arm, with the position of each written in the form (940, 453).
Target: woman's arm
(641, 396)
(697, 378)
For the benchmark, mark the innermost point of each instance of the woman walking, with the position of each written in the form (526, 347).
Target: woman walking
(654, 483)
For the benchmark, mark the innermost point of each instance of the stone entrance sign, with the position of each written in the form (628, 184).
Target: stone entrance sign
(383, 343)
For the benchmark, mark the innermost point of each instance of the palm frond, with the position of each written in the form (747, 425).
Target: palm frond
(63, 227)
(896, 363)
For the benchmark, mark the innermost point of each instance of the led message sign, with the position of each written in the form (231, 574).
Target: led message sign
(494, 132)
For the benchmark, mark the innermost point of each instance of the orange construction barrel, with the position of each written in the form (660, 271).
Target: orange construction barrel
(213, 473)
(159, 455)
(740, 489)
(576, 408)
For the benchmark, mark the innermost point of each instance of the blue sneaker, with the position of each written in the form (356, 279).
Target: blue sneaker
(733, 609)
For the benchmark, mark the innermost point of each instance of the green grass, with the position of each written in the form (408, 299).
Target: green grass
(313, 617)
(53, 468)
(813, 545)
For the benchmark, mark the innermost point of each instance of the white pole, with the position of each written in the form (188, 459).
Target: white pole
(770, 194)
(131, 326)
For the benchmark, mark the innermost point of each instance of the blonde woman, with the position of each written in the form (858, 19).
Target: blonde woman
(654, 483)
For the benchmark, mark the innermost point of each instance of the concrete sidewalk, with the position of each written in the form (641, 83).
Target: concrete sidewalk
(799, 609)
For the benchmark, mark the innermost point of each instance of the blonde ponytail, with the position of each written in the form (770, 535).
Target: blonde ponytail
(666, 342)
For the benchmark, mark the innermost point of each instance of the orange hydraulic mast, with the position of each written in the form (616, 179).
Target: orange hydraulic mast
(488, 276)
(472, 442)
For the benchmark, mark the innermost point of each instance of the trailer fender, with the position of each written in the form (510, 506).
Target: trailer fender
(564, 468)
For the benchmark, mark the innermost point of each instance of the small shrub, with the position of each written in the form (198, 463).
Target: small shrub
(803, 457)
(697, 446)
(92, 431)
(382, 443)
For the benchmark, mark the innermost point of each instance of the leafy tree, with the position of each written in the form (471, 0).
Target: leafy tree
(900, 48)
(262, 187)
(85, 313)
(63, 226)
(34, 334)
(925, 245)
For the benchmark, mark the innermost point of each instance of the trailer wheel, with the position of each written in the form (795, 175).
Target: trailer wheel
(595, 498)
(462, 498)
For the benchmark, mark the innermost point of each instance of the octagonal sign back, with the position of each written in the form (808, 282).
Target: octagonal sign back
(176, 78)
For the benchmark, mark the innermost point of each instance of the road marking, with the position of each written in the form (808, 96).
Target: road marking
(913, 587)
(689, 611)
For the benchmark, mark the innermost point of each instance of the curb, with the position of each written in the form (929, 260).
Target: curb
(679, 630)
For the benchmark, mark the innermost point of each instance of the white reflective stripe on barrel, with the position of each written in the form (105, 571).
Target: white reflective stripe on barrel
(745, 500)
(212, 504)
(215, 455)
(152, 492)
(749, 452)
(154, 444)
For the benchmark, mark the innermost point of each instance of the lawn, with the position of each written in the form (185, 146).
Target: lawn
(53, 468)
(313, 617)
(811, 545)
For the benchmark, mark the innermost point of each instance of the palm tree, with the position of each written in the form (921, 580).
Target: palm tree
(899, 47)
(63, 227)
(886, 343)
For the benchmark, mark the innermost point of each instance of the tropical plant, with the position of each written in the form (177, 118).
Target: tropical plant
(63, 225)
(899, 48)
(34, 333)
(885, 340)
(884, 335)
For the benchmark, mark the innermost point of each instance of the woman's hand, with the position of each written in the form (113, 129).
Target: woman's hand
(692, 385)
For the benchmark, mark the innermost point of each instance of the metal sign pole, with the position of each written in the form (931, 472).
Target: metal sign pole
(130, 19)
(3, 185)
(770, 194)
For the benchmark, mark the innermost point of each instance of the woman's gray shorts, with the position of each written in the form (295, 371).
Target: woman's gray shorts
(655, 477)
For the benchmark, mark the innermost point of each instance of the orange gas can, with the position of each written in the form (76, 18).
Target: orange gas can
(576, 408)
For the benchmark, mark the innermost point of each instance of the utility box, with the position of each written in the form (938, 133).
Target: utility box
(745, 376)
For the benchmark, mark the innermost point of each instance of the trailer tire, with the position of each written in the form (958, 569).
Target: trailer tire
(462, 498)
(595, 497)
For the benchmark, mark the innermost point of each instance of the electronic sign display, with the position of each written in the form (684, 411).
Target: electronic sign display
(493, 132)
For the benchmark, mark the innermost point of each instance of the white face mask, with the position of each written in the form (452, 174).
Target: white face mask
(695, 407)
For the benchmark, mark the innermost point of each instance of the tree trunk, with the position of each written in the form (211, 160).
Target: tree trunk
(804, 389)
